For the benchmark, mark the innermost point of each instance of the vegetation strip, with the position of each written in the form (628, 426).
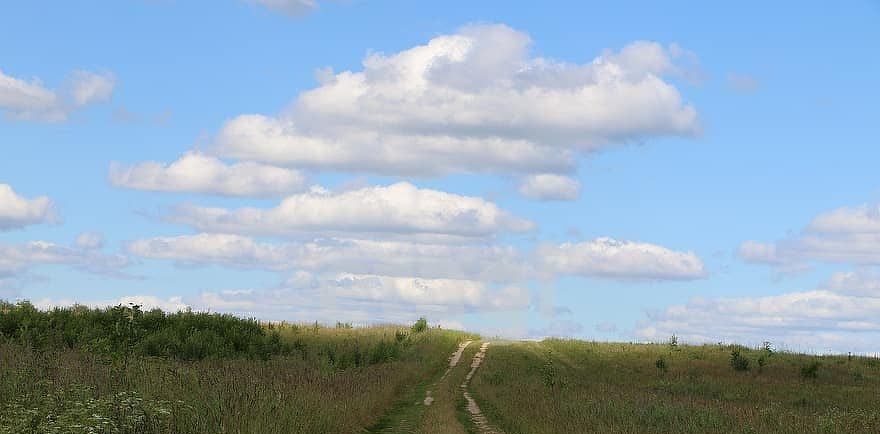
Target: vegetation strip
(477, 416)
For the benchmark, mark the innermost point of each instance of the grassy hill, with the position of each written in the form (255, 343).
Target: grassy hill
(123, 370)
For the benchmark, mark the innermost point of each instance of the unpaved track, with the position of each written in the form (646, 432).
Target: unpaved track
(453, 362)
(477, 416)
(405, 419)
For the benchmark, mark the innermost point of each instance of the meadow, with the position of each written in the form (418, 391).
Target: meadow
(568, 386)
(124, 370)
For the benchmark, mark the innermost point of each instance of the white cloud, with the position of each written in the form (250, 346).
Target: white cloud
(292, 8)
(90, 240)
(606, 257)
(31, 100)
(814, 321)
(602, 257)
(849, 235)
(863, 219)
(90, 88)
(863, 282)
(199, 173)
(390, 258)
(474, 101)
(399, 209)
(17, 258)
(366, 297)
(547, 186)
(17, 212)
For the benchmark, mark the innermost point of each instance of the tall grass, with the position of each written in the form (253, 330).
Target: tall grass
(120, 370)
(620, 388)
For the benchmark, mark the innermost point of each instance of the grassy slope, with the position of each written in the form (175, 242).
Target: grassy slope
(560, 386)
(317, 380)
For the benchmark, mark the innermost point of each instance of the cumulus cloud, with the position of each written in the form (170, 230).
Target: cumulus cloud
(31, 100)
(400, 209)
(849, 235)
(390, 258)
(473, 101)
(383, 298)
(864, 282)
(548, 186)
(199, 173)
(815, 321)
(606, 257)
(292, 8)
(17, 258)
(17, 212)
(602, 257)
(90, 240)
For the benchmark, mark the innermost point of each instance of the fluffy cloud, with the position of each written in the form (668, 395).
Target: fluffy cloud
(17, 212)
(474, 101)
(17, 258)
(547, 186)
(389, 258)
(396, 210)
(90, 240)
(815, 321)
(30, 100)
(602, 257)
(382, 298)
(292, 8)
(863, 283)
(848, 235)
(199, 173)
(606, 257)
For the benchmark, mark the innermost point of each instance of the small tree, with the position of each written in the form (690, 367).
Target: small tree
(738, 361)
(420, 325)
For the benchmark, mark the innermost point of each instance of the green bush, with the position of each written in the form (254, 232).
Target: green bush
(123, 331)
(420, 325)
(738, 361)
(661, 365)
(811, 370)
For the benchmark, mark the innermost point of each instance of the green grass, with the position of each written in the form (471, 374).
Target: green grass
(312, 380)
(122, 370)
(565, 386)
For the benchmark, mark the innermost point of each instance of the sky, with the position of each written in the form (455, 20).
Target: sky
(621, 171)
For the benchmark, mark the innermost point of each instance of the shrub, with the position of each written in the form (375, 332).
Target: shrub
(738, 361)
(810, 370)
(661, 365)
(420, 325)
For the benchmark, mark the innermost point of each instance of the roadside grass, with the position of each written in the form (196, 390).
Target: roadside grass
(566, 386)
(447, 414)
(314, 379)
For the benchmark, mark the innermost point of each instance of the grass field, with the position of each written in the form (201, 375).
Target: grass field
(565, 386)
(121, 370)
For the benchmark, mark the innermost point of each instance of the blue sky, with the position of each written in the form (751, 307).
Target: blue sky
(622, 172)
